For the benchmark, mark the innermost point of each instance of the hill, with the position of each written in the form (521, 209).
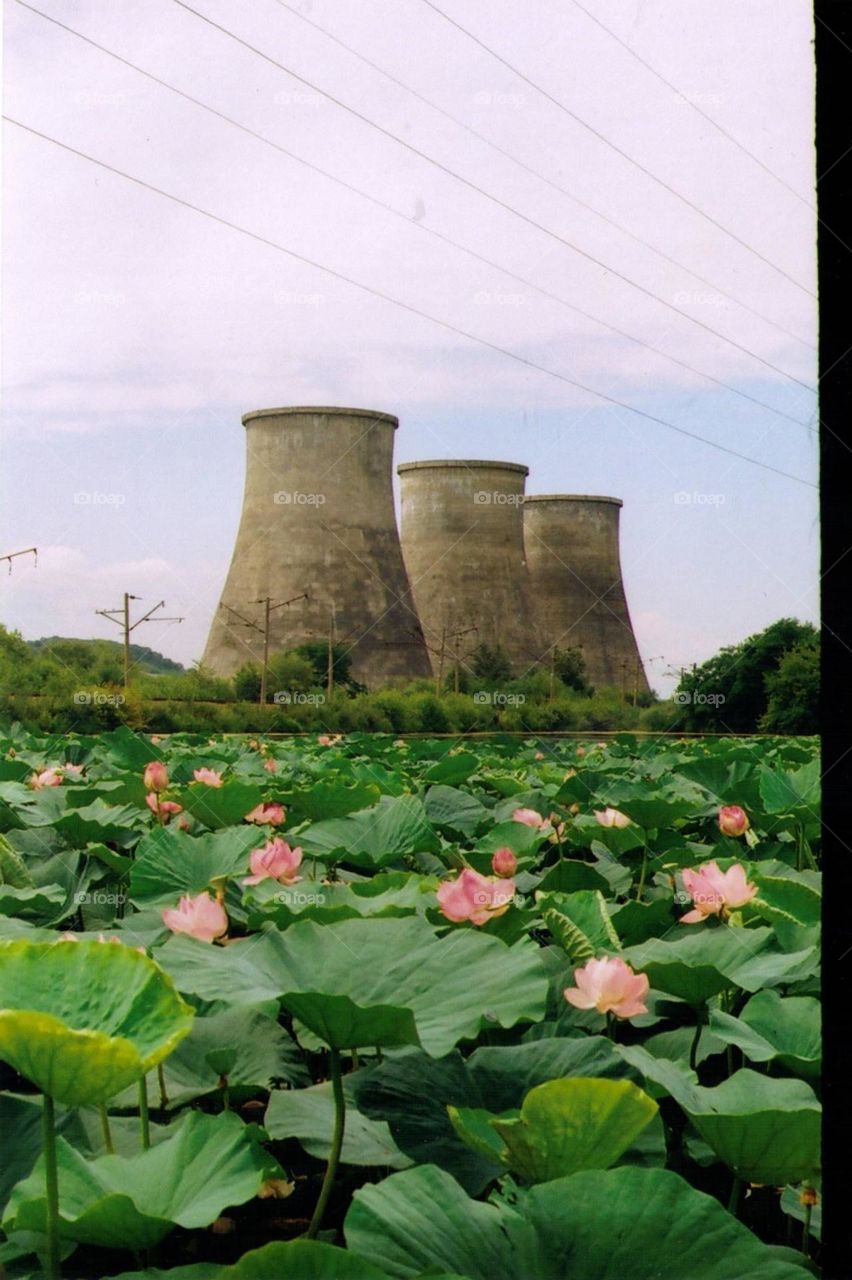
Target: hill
(87, 656)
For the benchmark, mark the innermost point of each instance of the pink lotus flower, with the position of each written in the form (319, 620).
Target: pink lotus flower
(539, 755)
(529, 817)
(47, 778)
(474, 897)
(276, 861)
(612, 818)
(184, 823)
(200, 917)
(329, 739)
(581, 751)
(266, 814)
(610, 986)
(270, 766)
(162, 809)
(72, 770)
(733, 821)
(208, 776)
(503, 862)
(156, 776)
(715, 892)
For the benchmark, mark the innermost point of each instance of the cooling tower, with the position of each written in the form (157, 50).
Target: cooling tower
(463, 542)
(575, 576)
(318, 517)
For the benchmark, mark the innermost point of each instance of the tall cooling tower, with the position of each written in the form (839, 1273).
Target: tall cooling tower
(318, 517)
(574, 565)
(463, 543)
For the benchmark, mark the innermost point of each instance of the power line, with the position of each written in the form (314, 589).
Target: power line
(398, 302)
(438, 235)
(502, 204)
(495, 146)
(615, 147)
(689, 101)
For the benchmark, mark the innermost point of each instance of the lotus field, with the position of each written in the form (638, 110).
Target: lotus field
(360, 1008)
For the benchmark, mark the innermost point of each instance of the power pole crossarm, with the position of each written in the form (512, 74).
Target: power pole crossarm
(121, 617)
(28, 551)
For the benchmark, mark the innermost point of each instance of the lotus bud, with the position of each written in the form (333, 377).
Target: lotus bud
(733, 821)
(156, 776)
(504, 862)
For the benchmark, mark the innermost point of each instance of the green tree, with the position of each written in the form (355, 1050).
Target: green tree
(570, 668)
(247, 682)
(729, 691)
(491, 662)
(793, 691)
(316, 652)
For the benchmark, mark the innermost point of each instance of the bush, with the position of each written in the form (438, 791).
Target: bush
(793, 691)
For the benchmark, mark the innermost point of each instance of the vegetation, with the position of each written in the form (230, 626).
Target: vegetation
(409, 1008)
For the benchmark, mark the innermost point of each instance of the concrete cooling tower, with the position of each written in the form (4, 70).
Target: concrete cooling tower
(463, 543)
(574, 565)
(318, 517)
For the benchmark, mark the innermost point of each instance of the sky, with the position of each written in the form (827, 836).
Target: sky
(136, 331)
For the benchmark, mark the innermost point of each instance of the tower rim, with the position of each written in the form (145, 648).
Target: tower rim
(468, 464)
(338, 410)
(572, 497)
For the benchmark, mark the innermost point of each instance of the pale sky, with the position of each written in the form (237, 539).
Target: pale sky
(136, 332)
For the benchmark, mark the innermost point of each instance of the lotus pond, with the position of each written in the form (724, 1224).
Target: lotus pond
(367, 1007)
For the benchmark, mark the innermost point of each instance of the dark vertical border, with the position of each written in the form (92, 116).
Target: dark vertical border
(833, 46)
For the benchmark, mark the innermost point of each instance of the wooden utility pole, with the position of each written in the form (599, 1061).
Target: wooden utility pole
(121, 616)
(329, 675)
(268, 609)
(439, 678)
(553, 654)
(28, 551)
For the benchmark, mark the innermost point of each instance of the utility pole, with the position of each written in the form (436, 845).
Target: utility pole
(456, 638)
(553, 653)
(121, 616)
(623, 680)
(29, 551)
(329, 681)
(439, 679)
(268, 609)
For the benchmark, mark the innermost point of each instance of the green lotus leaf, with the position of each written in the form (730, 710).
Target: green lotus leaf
(308, 1115)
(360, 983)
(413, 1092)
(705, 960)
(389, 893)
(374, 838)
(327, 799)
(645, 1224)
(573, 1124)
(453, 768)
(774, 1028)
(225, 806)
(82, 1020)
(474, 1126)
(456, 811)
(169, 863)
(133, 1202)
(767, 1130)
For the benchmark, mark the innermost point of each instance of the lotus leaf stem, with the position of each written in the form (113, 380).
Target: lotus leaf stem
(161, 1078)
(143, 1113)
(806, 1230)
(640, 888)
(51, 1186)
(106, 1129)
(693, 1049)
(336, 1143)
(734, 1198)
